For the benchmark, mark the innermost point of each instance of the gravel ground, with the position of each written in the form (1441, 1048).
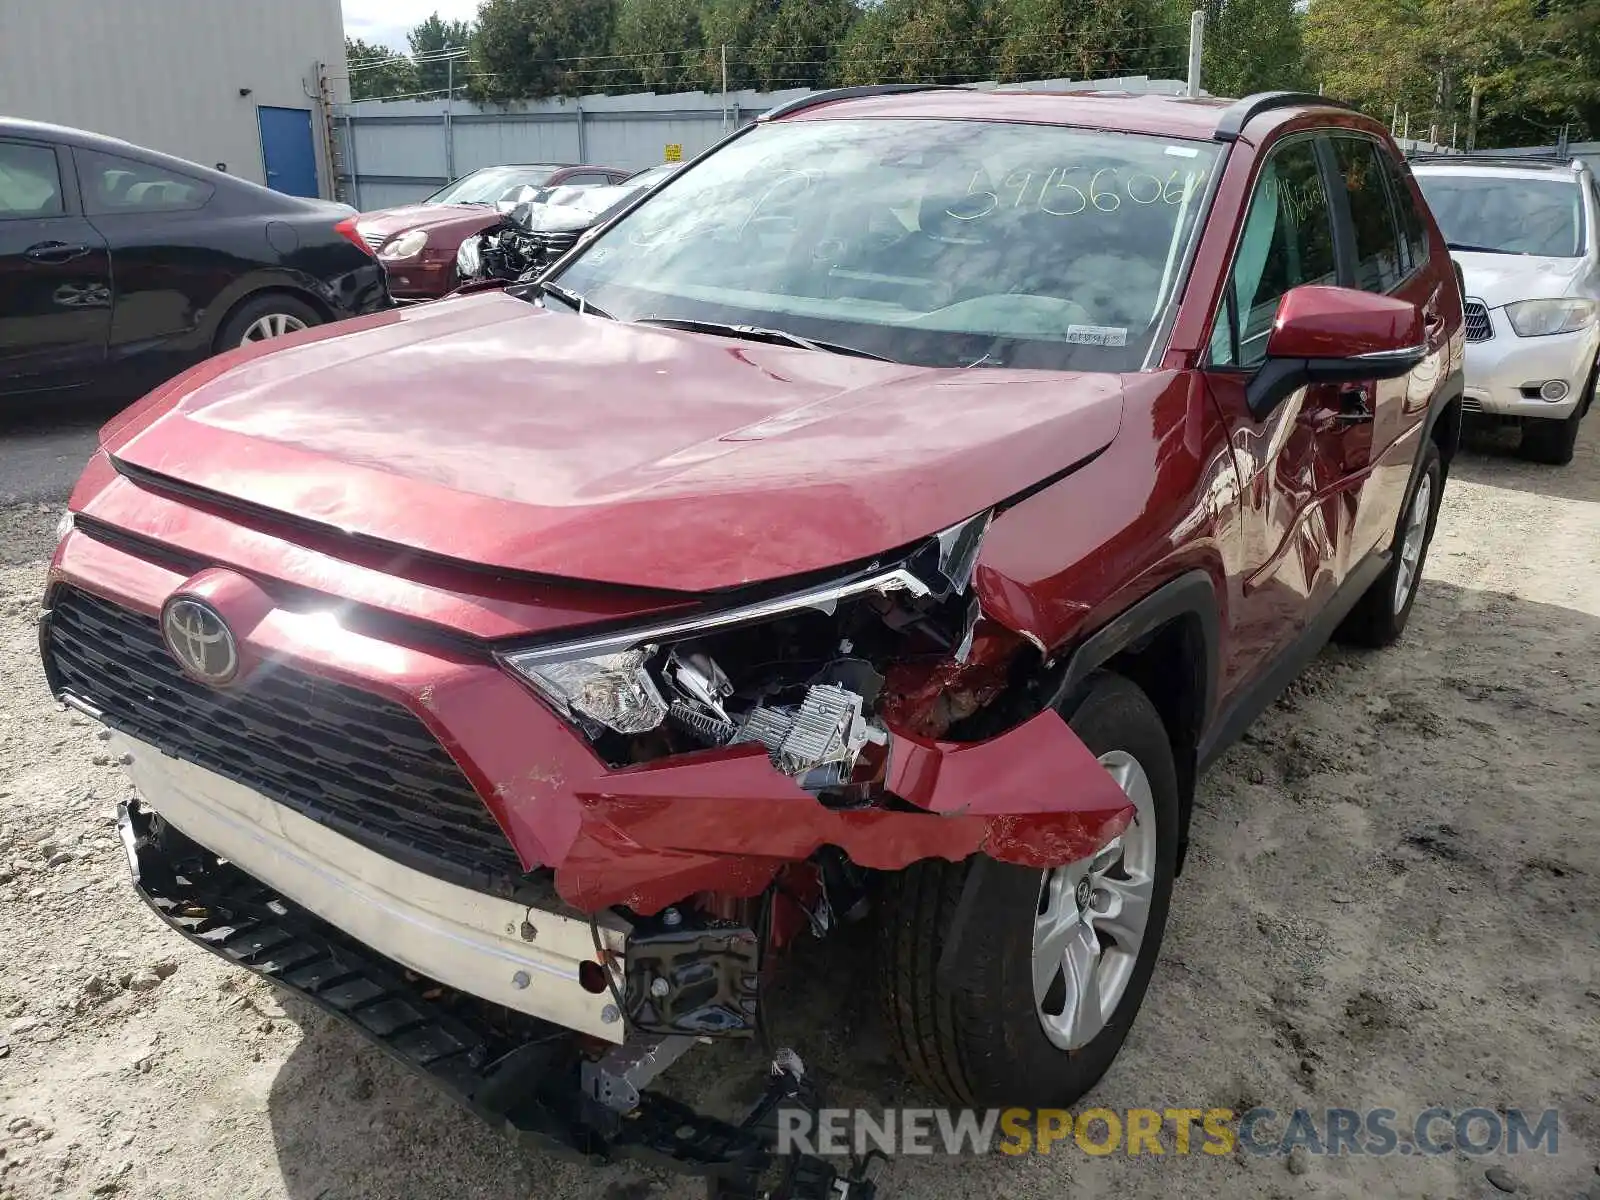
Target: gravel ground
(1393, 899)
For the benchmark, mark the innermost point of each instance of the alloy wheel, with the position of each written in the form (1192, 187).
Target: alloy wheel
(1411, 542)
(1091, 920)
(270, 326)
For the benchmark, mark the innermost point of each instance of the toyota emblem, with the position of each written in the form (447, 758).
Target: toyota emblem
(200, 642)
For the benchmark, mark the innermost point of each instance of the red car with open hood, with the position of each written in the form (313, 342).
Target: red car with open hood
(417, 243)
(887, 519)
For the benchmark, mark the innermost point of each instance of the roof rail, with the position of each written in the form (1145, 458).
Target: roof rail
(1534, 161)
(1238, 114)
(852, 93)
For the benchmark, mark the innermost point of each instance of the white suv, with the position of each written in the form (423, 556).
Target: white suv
(1526, 234)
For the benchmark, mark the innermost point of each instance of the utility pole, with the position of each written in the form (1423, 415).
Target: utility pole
(1472, 117)
(724, 87)
(449, 105)
(1197, 46)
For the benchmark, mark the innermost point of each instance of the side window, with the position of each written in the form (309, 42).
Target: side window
(1287, 241)
(1413, 230)
(30, 183)
(112, 184)
(1378, 265)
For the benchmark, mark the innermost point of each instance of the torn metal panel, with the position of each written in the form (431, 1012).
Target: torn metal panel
(727, 822)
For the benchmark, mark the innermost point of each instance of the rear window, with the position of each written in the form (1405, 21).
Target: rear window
(113, 184)
(1507, 215)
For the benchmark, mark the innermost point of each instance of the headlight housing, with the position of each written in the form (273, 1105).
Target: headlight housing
(406, 245)
(801, 674)
(469, 258)
(1541, 318)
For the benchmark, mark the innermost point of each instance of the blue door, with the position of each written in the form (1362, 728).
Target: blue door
(287, 150)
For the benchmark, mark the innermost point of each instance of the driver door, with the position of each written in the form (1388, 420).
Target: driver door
(1297, 464)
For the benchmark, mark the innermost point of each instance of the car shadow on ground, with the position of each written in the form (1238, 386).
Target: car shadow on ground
(1493, 458)
(349, 1124)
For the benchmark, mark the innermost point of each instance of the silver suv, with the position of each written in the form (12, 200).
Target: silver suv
(1524, 232)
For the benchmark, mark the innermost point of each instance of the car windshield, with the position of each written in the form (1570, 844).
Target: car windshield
(1507, 214)
(491, 183)
(934, 242)
(651, 176)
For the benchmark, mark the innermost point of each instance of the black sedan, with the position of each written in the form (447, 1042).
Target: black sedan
(121, 266)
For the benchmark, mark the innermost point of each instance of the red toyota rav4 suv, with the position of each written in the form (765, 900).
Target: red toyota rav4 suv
(888, 518)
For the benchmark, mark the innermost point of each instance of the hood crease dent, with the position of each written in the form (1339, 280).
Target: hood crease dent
(494, 431)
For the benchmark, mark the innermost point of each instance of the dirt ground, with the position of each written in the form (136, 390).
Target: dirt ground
(1393, 899)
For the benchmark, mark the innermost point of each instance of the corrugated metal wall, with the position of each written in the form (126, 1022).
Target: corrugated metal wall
(167, 73)
(400, 151)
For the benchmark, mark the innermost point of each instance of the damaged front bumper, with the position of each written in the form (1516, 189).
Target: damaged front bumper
(519, 1073)
(643, 836)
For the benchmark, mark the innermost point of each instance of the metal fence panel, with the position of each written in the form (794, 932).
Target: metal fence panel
(397, 152)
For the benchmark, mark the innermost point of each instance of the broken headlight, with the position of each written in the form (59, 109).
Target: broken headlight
(800, 675)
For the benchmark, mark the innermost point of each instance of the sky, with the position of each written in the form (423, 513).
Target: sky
(386, 22)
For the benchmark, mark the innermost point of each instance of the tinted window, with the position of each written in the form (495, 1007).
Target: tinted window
(121, 185)
(1413, 230)
(946, 243)
(1507, 213)
(1287, 241)
(30, 185)
(1361, 164)
(585, 179)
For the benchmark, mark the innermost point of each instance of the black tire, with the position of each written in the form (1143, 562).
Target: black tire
(1551, 441)
(976, 1038)
(1374, 621)
(255, 308)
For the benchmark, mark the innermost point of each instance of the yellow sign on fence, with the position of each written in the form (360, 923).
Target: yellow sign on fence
(674, 152)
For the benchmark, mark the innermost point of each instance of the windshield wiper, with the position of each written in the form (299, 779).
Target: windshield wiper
(759, 333)
(1470, 248)
(573, 300)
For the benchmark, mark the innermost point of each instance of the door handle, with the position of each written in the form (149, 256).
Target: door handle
(54, 252)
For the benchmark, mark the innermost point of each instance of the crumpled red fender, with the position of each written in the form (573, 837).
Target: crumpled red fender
(727, 822)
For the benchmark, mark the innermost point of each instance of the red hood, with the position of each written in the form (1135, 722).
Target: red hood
(455, 218)
(490, 430)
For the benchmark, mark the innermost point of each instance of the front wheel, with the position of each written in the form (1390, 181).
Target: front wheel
(1053, 964)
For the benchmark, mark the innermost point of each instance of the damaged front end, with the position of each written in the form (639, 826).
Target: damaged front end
(881, 698)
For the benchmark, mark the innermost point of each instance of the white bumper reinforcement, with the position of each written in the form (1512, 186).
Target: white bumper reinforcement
(525, 958)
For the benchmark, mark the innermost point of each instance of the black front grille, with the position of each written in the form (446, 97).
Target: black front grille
(357, 763)
(1478, 327)
(554, 244)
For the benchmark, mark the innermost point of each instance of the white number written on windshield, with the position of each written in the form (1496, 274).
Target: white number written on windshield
(1068, 191)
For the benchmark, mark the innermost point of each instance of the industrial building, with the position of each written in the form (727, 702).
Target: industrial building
(232, 84)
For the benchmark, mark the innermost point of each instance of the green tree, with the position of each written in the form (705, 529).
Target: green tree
(659, 45)
(377, 71)
(1496, 72)
(542, 48)
(429, 39)
(920, 41)
(1083, 39)
(1253, 46)
(799, 46)
(738, 25)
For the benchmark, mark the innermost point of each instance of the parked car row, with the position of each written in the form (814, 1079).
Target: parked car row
(120, 266)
